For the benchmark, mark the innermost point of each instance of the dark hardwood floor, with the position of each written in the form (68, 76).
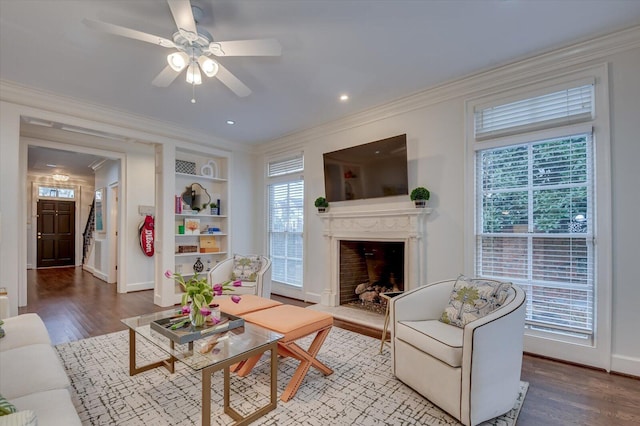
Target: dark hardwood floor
(75, 305)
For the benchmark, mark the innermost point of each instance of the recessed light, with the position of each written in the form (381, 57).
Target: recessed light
(231, 122)
(52, 165)
(344, 97)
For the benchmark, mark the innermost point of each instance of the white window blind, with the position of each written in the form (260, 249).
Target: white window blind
(535, 228)
(558, 108)
(286, 220)
(284, 167)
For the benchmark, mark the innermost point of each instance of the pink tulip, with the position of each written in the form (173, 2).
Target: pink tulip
(218, 292)
(217, 287)
(168, 273)
(205, 312)
(236, 299)
(237, 283)
(186, 309)
(215, 320)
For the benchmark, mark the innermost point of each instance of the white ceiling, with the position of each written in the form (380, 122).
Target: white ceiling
(376, 51)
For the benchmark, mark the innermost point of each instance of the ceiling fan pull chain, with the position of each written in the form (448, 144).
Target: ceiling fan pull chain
(193, 93)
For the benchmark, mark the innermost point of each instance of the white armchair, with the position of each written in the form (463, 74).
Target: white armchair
(223, 271)
(473, 373)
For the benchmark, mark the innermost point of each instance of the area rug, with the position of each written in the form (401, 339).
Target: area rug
(361, 391)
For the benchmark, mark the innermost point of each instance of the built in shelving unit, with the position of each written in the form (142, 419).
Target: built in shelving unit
(199, 180)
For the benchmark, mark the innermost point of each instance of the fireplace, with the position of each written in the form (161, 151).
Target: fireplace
(351, 233)
(368, 268)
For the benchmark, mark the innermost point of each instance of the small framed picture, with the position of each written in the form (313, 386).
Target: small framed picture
(192, 226)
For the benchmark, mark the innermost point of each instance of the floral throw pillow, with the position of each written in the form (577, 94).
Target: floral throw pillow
(245, 268)
(472, 299)
(6, 407)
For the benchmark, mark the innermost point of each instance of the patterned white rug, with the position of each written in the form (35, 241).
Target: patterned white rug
(361, 391)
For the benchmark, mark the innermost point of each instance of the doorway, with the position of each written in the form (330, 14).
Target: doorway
(56, 233)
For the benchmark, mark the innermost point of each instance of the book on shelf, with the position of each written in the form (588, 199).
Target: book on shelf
(178, 204)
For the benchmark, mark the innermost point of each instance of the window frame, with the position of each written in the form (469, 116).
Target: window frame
(279, 287)
(56, 187)
(598, 352)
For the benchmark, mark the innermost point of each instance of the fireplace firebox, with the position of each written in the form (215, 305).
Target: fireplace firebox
(368, 268)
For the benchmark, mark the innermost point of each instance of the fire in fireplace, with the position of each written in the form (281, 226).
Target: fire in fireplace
(368, 268)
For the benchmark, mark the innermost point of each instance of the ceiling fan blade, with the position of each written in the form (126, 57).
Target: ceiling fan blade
(127, 32)
(183, 15)
(166, 77)
(261, 47)
(232, 82)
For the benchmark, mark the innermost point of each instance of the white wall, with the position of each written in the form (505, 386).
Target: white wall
(434, 124)
(625, 156)
(244, 204)
(140, 191)
(107, 175)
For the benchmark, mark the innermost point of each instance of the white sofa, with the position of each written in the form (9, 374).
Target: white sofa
(260, 287)
(473, 372)
(32, 377)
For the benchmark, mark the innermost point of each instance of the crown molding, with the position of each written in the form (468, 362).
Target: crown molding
(130, 125)
(517, 71)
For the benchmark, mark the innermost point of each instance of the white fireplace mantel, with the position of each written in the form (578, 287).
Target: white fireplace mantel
(401, 225)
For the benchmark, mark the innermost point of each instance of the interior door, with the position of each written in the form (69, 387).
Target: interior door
(56, 233)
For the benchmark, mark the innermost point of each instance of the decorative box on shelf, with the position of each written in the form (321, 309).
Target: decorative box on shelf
(187, 249)
(186, 167)
(208, 244)
(210, 250)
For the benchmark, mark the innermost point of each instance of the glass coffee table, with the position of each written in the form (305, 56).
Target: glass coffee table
(232, 347)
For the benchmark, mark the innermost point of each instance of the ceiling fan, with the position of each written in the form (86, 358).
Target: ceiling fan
(195, 49)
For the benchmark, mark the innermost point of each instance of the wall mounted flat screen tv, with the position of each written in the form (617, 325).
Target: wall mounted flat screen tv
(372, 170)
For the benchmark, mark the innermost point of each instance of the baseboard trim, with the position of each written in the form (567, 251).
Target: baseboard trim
(100, 275)
(625, 365)
(148, 285)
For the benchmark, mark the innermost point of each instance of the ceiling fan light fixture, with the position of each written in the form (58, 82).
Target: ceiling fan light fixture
(177, 61)
(193, 74)
(208, 65)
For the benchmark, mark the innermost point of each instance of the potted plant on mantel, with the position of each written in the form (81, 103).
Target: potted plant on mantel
(419, 196)
(322, 204)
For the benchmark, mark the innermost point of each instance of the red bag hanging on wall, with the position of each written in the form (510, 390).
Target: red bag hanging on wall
(147, 235)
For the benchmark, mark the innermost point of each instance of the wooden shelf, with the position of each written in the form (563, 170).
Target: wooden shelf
(201, 177)
(215, 234)
(223, 216)
(197, 253)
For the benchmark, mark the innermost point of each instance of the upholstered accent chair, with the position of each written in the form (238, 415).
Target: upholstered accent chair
(472, 370)
(254, 271)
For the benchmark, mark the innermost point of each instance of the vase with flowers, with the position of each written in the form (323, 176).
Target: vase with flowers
(199, 294)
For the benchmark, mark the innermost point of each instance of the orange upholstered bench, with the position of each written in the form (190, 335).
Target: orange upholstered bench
(294, 323)
(249, 303)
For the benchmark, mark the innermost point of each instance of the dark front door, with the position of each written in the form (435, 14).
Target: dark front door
(56, 233)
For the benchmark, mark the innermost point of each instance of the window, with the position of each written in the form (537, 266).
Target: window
(49, 192)
(535, 227)
(286, 220)
(535, 204)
